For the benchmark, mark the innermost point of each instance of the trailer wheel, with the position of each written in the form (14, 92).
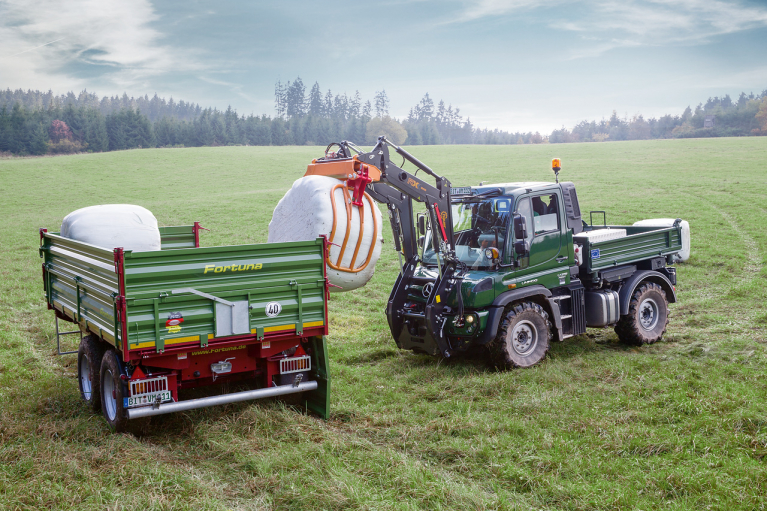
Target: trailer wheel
(89, 356)
(647, 318)
(523, 337)
(112, 393)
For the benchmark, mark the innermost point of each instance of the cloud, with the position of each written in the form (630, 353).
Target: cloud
(112, 39)
(478, 9)
(613, 24)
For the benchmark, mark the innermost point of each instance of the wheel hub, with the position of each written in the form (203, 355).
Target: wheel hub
(85, 377)
(109, 394)
(648, 314)
(524, 338)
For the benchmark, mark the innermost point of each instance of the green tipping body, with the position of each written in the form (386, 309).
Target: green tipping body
(82, 283)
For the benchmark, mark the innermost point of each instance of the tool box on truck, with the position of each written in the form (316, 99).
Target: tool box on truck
(187, 316)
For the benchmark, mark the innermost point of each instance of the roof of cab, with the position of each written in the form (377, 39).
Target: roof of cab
(511, 188)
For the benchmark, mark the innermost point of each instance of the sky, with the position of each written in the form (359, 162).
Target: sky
(517, 65)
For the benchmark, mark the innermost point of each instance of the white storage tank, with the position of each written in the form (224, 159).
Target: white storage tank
(598, 235)
(320, 205)
(684, 255)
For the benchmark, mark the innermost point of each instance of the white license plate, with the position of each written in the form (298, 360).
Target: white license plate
(148, 399)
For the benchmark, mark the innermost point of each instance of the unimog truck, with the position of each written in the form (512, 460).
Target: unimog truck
(510, 266)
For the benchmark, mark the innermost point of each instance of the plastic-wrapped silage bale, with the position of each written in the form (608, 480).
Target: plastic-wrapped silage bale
(684, 254)
(307, 211)
(114, 225)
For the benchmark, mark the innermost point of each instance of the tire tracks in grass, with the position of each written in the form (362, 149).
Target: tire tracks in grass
(742, 317)
(450, 478)
(754, 261)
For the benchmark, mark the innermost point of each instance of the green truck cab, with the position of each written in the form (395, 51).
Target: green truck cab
(531, 271)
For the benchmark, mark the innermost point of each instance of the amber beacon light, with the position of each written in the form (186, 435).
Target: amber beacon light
(556, 165)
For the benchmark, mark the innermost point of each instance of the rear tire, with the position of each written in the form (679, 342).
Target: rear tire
(89, 356)
(112, 393)
(523, 337)
(647, 318)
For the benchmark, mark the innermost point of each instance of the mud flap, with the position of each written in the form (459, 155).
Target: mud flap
(318, 401)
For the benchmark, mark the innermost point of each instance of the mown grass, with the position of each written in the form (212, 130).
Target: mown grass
(677, 425)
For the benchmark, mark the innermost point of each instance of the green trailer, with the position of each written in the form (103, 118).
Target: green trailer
(155, 323)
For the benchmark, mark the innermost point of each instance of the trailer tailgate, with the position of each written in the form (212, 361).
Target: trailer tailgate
(211, 295)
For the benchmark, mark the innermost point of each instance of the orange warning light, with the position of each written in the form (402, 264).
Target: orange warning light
(556, 164)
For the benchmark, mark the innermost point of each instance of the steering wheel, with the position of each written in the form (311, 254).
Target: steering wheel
(341, 153)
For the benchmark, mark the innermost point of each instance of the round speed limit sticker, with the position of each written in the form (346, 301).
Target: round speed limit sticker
(273, 309)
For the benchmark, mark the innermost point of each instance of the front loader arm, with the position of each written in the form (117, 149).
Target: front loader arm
(390, 184)
(398, 189)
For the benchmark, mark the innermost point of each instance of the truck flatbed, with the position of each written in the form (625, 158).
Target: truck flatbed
(640, 243)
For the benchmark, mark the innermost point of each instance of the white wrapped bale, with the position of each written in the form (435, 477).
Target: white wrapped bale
(684, 255)
(306, 212)
(114, 225)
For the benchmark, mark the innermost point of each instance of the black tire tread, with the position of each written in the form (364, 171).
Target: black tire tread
(628, 329)
(498, 351)
(91, 347)
(109, 361)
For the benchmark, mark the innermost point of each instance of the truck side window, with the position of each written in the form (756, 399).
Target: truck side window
(524, 209)
(545, 213)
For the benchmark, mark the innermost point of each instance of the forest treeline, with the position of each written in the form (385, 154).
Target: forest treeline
(155, 108)
(727, 118)
(28, 122)
(36, 123)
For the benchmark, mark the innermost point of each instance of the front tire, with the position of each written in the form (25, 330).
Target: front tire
(523, 338)
(647, 318)
(112, 393)
(89, 356)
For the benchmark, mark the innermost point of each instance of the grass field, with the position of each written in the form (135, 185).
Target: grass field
(678, 425)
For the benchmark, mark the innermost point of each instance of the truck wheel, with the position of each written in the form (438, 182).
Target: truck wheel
(523, 337)
(89, 356)
(647, 318)
(112, 393)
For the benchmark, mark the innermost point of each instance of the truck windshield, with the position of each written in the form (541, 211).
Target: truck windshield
(476, 226)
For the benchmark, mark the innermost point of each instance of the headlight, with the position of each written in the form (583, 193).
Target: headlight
(492, 253)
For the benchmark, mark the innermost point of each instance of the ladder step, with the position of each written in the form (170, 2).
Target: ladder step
(567, 336)
(566, 316)
(562, 297)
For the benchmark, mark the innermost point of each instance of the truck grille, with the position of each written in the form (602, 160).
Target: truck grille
(295, 364)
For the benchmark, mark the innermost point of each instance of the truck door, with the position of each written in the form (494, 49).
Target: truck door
(542, 213)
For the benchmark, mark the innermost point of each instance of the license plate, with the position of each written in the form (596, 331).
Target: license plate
(148, 399)
(463, 190)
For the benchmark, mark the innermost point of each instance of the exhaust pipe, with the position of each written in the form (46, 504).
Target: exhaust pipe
(236, 397)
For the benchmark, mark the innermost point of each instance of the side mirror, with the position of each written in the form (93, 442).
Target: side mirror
(421, 224)
(421, 241)
(520, 227)
(521, 248)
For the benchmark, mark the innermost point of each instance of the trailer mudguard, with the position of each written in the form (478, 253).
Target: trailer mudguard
(318, 400)
(630, 285)
(501, 301)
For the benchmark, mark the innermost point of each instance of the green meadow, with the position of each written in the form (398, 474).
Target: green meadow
(681, 424)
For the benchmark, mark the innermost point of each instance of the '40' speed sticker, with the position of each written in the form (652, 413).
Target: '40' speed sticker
(273, 309)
